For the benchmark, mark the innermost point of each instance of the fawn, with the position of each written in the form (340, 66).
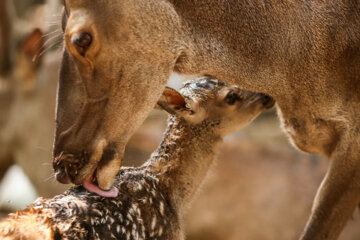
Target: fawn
(153, 198)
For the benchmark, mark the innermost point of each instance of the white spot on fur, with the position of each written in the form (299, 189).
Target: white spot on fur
(129, 217)
(153, 222)
(111, 220)
(121, 217)
(153, 192)
(160, 231)
(133, 233)
(162, 208)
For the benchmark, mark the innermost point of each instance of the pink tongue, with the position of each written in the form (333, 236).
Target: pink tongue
(90, 186)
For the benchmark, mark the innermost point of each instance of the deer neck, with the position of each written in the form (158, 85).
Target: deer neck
(183, 159)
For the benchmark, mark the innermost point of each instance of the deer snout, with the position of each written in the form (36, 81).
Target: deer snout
(61, 176)
(59, 166)
(60, 171)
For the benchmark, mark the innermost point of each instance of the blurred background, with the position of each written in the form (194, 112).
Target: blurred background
(261, 188)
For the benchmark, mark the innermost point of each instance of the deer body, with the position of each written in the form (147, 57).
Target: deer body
(152, 199)
(305, 54)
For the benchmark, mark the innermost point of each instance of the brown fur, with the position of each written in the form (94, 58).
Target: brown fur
(306, 54)
(31, 224)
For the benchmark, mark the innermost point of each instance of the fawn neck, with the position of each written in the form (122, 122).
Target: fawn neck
(183, 158)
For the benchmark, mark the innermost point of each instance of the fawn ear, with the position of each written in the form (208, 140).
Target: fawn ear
(171, 101)
(174, 103)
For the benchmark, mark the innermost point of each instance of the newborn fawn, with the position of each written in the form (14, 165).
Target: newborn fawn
(152, 199)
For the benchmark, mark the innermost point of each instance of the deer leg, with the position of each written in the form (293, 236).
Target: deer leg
(338, 195)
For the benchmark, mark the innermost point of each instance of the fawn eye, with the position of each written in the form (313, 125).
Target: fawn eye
(231, 98)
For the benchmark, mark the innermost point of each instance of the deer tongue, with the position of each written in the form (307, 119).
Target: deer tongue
(92, 187)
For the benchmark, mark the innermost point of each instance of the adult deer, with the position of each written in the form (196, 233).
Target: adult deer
(306, 54)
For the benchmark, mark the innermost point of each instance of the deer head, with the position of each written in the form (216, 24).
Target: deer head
(104, 92)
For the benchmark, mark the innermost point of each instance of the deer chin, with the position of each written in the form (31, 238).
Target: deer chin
(102, 177)
(99, 179)
(99, 173)
(91, 185)
(106, 172)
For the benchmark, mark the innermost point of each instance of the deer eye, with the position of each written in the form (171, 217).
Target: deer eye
(82, 42)
(231, 98)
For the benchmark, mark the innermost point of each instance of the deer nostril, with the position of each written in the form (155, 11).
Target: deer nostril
(62, 177)
(82, 42)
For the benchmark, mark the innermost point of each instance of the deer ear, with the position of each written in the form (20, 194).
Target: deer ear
(32, 45)
(28, 62)
(171, 101)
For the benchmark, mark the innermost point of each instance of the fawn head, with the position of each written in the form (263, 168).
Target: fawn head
(108, 84)
(225, 108)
